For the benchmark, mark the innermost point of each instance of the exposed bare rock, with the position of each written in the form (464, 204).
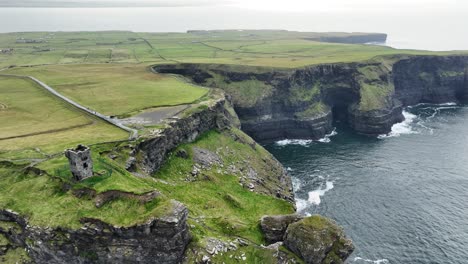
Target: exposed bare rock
(318, 240)
(274, 227)
(161, 239)
(205, 157)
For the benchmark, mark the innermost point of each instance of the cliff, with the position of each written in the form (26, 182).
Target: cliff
(198, 162)
(356, 39)
(275, 104)
(163, 238)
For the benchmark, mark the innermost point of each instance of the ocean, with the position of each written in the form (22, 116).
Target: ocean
(402, 197)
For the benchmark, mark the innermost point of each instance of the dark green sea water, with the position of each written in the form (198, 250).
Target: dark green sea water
(402, 198)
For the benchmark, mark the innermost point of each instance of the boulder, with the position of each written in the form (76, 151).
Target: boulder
(205, 157)
(274, 227)
(317, 239)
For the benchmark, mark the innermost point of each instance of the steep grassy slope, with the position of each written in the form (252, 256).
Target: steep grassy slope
(219, 206)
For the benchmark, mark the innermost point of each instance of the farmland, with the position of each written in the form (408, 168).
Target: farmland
(110, 73)
(256, 48)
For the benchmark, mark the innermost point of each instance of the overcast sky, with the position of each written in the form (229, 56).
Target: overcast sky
(264, 5)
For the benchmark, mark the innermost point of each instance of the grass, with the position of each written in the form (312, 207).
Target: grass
(3, 240)
(245, 93)
(226, 208)
(108, 72)
(17, 255)
(40, 120)
(313, 111)
(375, 93)
(222, 206)
(115, 89)
(114, 176)
(374, 96)
(255, 48)
(300, 94)
(44, 202)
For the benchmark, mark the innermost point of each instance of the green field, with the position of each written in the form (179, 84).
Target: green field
(109, 72)
(257, 48)
(31, 118)
(114, 89)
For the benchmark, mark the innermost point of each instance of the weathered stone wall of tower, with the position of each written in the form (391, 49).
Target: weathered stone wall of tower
(81, 164)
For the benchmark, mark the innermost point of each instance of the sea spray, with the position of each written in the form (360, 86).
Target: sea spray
(402, 128)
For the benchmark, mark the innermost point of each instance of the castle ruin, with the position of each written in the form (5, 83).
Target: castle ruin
(81, 164)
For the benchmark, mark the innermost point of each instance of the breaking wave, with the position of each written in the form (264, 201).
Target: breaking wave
(306, 142)
(404, 127)
(363, 260)
(417, 124)
(314, 197)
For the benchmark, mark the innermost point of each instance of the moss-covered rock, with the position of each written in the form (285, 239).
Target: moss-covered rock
(275, 226)
(317, 239)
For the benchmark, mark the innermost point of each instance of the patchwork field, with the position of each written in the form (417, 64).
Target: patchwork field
(258, 48)
(34, 120)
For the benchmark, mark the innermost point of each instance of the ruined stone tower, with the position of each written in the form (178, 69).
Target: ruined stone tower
(81, 164)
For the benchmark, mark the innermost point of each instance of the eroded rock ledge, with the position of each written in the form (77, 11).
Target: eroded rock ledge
(151, 152)
(315, 239)
(275, 104)
(161, 238)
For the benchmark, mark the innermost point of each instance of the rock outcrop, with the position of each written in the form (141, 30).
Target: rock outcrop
(151, 152)
(159, 240)
(305, 102)
(274, 227)
(318, 240)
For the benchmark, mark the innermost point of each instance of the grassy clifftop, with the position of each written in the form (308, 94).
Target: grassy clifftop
(256, 48)
(108, 72)
(114, 89)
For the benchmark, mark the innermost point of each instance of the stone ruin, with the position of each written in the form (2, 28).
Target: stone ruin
(81, 164)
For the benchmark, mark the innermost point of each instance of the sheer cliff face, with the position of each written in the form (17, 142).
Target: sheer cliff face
(431, 80)
(304, 103)
(163, 238)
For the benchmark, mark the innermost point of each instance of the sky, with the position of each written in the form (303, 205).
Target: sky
(418, 24)
(264, 5)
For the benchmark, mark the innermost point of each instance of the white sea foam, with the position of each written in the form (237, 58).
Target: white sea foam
(302, 142)
(296, 184)
(432, 105)
(314, 196)
(306, 142)
(327, 137)
(402, 128)
(301, 204)
(379, 261)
